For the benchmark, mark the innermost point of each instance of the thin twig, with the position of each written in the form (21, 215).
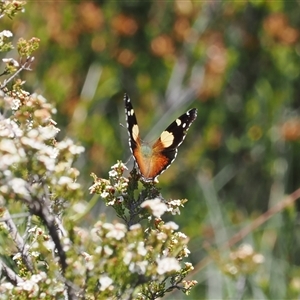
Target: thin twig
(286, 202)
(25, 66)
(41, 209)
(10, 274)
(21, 245)
(15, 216)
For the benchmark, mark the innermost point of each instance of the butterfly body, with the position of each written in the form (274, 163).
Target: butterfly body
(154, 159)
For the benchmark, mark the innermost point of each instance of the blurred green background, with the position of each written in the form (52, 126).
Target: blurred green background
(238, 62)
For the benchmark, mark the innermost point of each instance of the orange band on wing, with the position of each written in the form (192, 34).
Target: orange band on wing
(151, 166)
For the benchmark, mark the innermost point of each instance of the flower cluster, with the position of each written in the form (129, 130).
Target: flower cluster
(111, 190)
(174, 205)
(27, 288)
(243, 261)
(153, 255)
(5, 45)
(36, 176)
(11, 8)
(29, 152)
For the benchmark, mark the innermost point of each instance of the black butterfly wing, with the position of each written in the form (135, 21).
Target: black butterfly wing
(132, 125)
(166, 147)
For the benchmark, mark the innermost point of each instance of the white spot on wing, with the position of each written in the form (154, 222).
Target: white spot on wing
(178, 122)
(135, 132)
(183, 125)
(167, 138)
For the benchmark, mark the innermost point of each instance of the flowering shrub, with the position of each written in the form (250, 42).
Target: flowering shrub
(148, 256)
(45, 254)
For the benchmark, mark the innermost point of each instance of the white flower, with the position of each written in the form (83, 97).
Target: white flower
(87, 256)
(104, 195)
(47, 161)
(68, 143)
(171, 225)
(64, 180)
(189, 266)
(120, 199)
(8, 145)
(75, 150)
(74, 186)
(19, 186)
(29, 286)
(107, 250)
(111, 203)
(98, 249)
(119, 165)
(175, 203)
(33, 143)
(9, 128)
(48, 132)
(168, 264)
(113, 173)
(64, 144)
(38, 277)
(7, 286)
(245, 250)
(6, 33)
(175, 211)
(141, 250)
(79, 207)
(135, 227)
(138, 267)
(258, 258)
(16, 103)
(39, 97)
(105, 282)
(11, 62)
(117, 231)
(181, 235)
(161, 236)
(127, 258)
(33, 133)
(186, 252)
(35, 254)
(157, 207)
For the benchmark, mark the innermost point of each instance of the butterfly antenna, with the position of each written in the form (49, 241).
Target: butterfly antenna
(127, 161)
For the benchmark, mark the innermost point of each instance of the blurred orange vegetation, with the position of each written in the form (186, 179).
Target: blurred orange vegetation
(215, 66)
(290, 130)
(90, 16)
(124, 25)
(125, 57)
(162, 45)
(182, 29)
(184, 8)
(277, 26)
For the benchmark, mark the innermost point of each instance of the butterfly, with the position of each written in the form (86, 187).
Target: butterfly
(152, 160)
